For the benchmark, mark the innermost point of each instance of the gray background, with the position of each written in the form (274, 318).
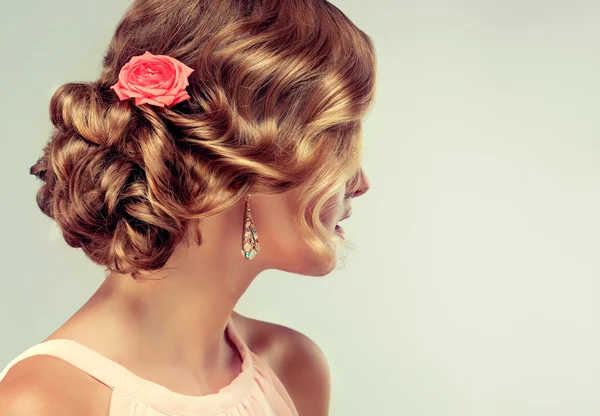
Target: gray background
(473, 289)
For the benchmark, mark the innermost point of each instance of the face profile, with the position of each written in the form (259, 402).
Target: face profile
(284, 248)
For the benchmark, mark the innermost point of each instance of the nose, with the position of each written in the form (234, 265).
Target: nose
(363, 184)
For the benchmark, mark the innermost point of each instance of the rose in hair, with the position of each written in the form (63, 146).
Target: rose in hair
(153, 79)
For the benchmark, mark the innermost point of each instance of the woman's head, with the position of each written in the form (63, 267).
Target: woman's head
(277, 97)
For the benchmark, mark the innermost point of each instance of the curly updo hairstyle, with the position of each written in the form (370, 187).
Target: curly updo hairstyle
(278, 93)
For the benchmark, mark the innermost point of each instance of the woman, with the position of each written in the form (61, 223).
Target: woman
(222, 139)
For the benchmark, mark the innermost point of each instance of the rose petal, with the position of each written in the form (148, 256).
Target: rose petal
(165, 99)
(144, 100)
(167, 83)
(181, 98)
(124, 74)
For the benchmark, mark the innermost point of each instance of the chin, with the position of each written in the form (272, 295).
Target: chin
(295, 258)
(317, 268)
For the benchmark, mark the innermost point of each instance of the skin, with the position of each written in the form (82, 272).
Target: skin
(172, 331)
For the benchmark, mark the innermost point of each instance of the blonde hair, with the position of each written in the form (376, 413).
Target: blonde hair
(277, 100)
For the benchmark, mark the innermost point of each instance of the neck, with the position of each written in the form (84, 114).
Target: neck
(178, 319)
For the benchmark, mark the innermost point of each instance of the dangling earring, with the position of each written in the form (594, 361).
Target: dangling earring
(250, 238)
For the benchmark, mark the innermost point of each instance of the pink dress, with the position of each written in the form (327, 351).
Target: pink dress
(256, 391)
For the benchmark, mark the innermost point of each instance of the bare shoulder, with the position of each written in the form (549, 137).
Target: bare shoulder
(46, 385)
(296, 359)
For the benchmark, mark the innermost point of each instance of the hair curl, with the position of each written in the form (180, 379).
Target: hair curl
(277, 99)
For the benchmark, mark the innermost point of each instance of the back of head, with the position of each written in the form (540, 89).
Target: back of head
(277, 97)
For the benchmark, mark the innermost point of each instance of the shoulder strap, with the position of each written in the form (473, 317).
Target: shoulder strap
(84, 358)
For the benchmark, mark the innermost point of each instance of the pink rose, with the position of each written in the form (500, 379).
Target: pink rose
(154, 79)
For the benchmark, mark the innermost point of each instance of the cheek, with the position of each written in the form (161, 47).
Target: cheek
(280, 235)
(276, 228)
(282, 246)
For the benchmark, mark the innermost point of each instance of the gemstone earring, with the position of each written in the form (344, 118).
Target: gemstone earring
(250, 238)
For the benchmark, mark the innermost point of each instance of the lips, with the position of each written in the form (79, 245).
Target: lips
(338, 229)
